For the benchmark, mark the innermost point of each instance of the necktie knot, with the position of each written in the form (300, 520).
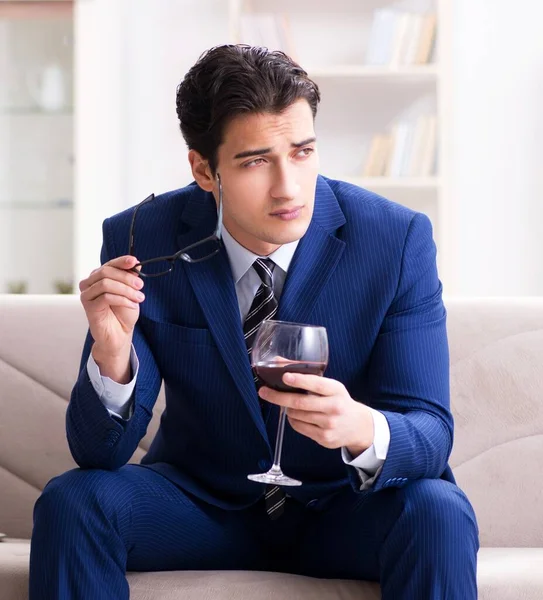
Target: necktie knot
(264, 267)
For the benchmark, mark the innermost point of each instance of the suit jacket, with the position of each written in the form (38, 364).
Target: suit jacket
(365, 269)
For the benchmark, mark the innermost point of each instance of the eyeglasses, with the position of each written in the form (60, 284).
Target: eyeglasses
(195, 253)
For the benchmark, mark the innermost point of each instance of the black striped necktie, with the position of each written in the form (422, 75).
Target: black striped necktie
(264, 304)
(264, 307)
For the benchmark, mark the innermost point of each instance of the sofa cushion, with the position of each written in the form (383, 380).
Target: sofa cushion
(14, 571)
(237, 585)
(496, 382)
(196, 585)
(502, 573)
(510, 573)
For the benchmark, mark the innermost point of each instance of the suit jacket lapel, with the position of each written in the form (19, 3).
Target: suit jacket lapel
(315, 259)
(214, 287)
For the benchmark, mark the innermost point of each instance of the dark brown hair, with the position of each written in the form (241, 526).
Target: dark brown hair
(230, 80)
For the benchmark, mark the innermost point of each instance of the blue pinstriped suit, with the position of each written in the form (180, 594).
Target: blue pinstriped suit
(366, 270)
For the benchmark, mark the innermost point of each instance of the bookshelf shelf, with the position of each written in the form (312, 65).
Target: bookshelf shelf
(374, 72)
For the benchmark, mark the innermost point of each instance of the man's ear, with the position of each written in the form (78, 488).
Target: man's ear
(201, 171)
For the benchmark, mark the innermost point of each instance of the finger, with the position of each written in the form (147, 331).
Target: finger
(110, 286)
(123, 262)
(307, 402)
(310, 431)
(120, 263)
(320, 419)
(106, 300)
(108, 271)
(314, 383)
(324, 437)
(84, 283)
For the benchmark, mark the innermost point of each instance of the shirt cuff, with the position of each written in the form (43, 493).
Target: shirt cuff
(372, 459)
(116, 397)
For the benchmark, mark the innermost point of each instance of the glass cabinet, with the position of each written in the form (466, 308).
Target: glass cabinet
(36, 147)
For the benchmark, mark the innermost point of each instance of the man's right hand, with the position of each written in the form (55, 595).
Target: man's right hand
(111, 297)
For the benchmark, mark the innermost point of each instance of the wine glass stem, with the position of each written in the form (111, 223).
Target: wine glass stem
(279, 442)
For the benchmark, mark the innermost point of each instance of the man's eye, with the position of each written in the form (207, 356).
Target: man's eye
(305, 152)
(255, 162)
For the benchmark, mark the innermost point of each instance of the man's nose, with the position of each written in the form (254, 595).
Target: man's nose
(285, 185)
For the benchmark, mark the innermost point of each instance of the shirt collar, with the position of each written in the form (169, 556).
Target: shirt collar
(241, 259)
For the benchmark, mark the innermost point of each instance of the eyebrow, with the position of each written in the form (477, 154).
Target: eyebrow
(258, 151)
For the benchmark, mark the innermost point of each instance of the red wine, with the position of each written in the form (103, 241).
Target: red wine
(271, 373)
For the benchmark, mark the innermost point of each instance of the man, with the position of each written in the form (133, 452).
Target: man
(370, 440)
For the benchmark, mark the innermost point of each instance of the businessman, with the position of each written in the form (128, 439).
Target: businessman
(185, 280)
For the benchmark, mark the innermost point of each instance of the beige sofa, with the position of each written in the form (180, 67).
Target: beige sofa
(497, 399)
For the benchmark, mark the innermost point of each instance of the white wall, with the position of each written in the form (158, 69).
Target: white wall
(130, 56)
(497, 146)
(133, 53)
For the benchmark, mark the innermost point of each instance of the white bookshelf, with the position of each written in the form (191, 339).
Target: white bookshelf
(360, 100)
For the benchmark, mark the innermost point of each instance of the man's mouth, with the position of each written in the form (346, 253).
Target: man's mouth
(287, 214)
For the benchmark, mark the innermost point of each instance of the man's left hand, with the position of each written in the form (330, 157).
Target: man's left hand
(327, 414)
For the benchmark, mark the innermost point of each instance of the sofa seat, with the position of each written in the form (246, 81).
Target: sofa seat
(503, 574)
(196, 585)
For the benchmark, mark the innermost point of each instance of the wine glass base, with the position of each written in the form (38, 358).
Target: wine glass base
(274, 479)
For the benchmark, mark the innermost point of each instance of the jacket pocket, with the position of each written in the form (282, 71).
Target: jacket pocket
(161, 331)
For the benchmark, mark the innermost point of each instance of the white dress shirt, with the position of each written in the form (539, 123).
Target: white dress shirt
(117, 398)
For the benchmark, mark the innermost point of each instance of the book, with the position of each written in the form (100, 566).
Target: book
(415, 164)
(400, 134)
(384, 155)
(407, 150)
(413, 39)
(378, 156)
(427, 39)
(428, 160)
(399, 37)
(376, 33)
(381, 36)
(400, 40)
(371, 160)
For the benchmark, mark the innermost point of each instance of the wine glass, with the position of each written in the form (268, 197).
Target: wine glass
(281, 347)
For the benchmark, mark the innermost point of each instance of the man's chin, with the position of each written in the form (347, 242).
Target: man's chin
(285, 235)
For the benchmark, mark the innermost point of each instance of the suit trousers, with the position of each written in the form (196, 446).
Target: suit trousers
(92, 526)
